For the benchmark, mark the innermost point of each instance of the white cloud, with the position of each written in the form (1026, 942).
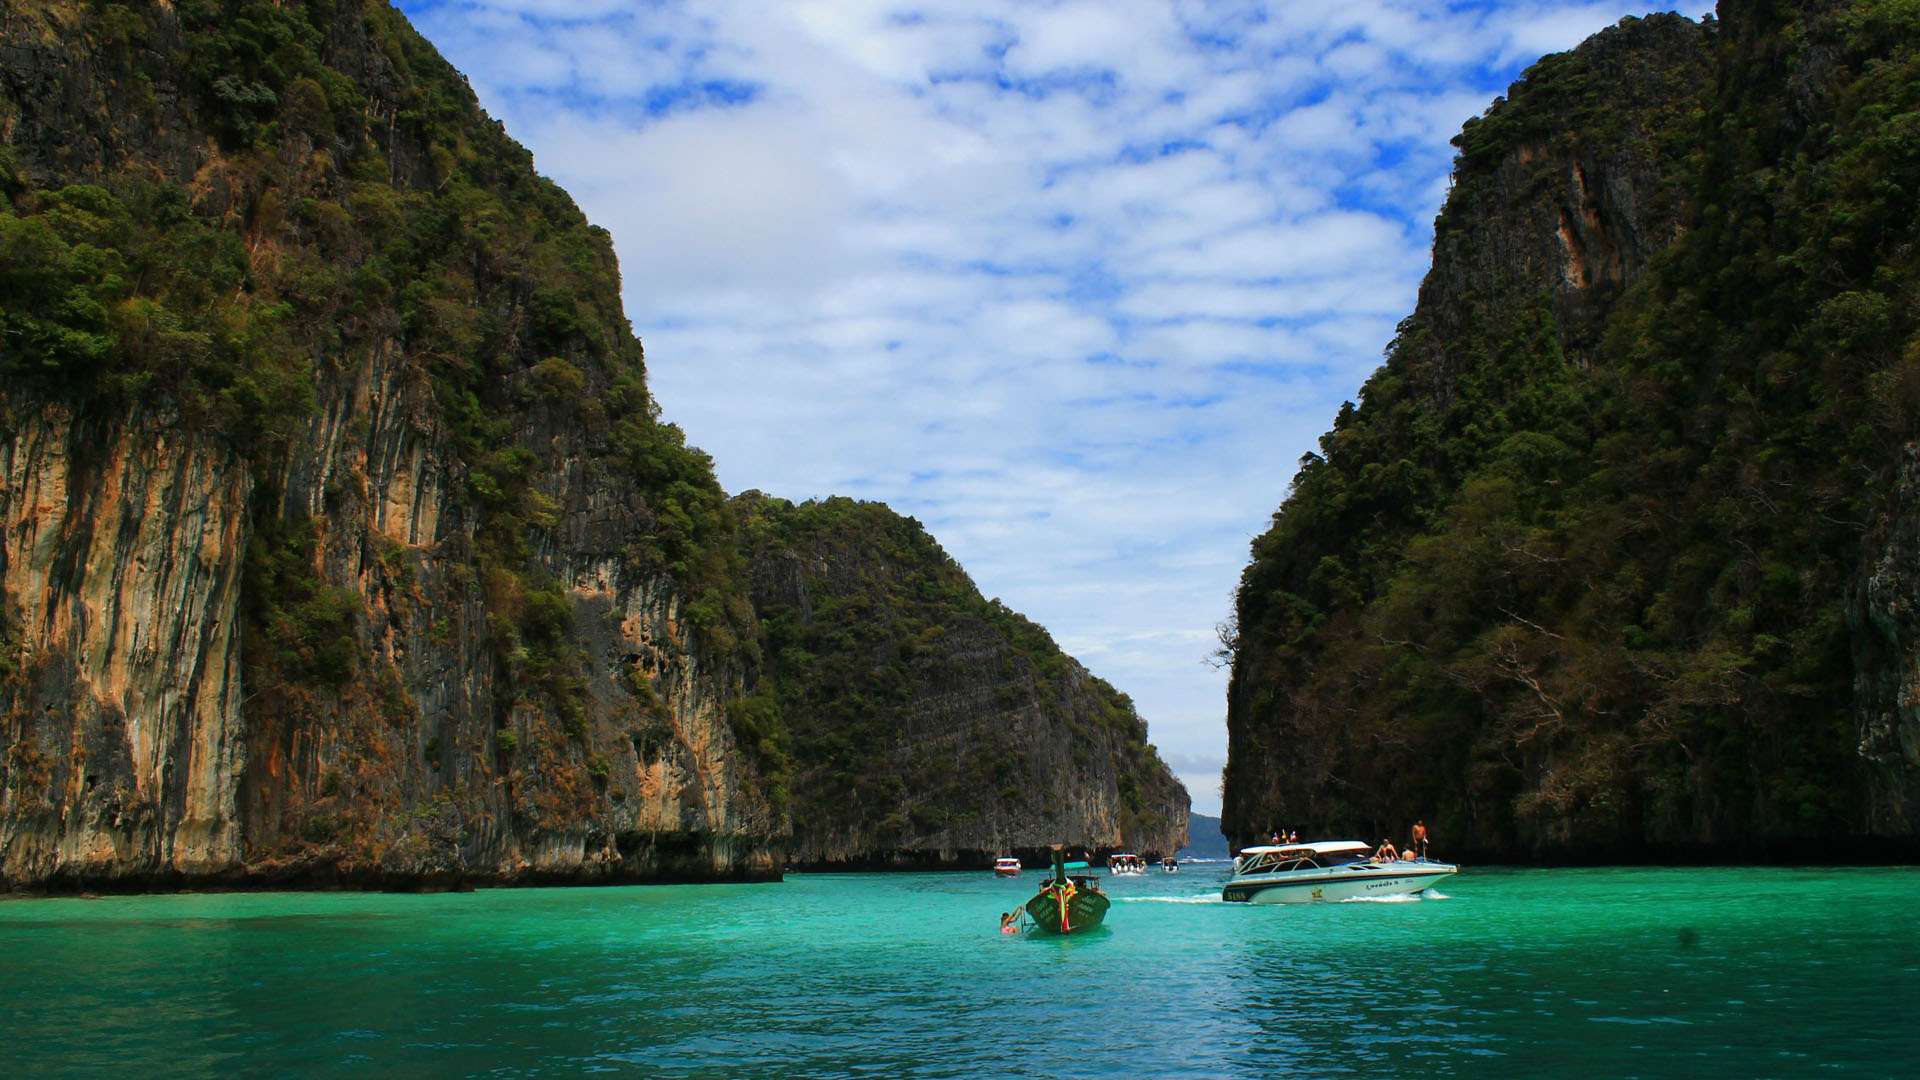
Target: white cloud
(1075, 284)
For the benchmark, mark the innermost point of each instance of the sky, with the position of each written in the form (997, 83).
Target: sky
(1073, 284)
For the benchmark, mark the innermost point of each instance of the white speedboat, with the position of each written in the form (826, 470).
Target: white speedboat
(1126, 864)
(1006, 866)
(1325, 870)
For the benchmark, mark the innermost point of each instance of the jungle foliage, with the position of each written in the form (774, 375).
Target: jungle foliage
(1562, 587)
(902, 685)
(359, 204)
(268, 208)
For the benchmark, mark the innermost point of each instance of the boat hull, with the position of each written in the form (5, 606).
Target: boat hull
(1306, 888)
(1084, 912)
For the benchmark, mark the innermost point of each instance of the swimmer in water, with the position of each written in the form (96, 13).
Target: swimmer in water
(1009, 922)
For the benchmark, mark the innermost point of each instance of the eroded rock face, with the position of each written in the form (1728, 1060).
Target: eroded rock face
(1562, 197)
(930, 725)
(124, 740)
(232, 659)
(352, 550)
(138, 756)
(1574, 210)
(427, 765)
(1577, 579)
(1886, 627)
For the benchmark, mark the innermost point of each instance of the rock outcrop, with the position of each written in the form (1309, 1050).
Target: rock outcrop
(1611, 560)
(1886, 633)
(930, 725)
(343, 542)
(384, 645)
(124, 736)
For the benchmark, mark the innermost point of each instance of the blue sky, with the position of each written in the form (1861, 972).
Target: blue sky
(1073, 284)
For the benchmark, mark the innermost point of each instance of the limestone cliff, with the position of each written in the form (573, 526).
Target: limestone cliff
(929, 724)
(1885, 618)
(124, 738)
(331, 496)
(343, 542)
(1611, 559)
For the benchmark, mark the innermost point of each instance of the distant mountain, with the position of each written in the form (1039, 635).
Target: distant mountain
(925, 723)
(1204, 838)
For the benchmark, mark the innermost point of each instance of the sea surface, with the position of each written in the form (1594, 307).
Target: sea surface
(1628, 972)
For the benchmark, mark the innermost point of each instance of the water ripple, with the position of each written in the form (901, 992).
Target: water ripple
(1643, 972)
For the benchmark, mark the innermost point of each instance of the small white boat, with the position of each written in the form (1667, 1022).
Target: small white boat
(1325, 870)
(1126, 865)
(1006, 866)
(1169, 865)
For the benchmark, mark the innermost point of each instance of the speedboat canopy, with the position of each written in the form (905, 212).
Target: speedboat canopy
(1318, 847)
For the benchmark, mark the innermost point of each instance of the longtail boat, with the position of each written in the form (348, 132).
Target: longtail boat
(1067, 904)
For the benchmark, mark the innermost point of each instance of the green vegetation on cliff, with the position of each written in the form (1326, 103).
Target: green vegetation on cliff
(924, 715)
(1584, 567)
(424, 585)
(216, 218)
(319, 233)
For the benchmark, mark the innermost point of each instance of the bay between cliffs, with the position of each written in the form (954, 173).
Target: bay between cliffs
(1649, 972)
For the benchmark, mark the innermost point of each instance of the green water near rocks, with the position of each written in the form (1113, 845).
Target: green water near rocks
(1648, 972)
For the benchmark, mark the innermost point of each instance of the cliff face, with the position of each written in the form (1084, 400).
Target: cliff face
(124, 731)
(929, 724)
(1610, 560)
(331, 490)
(343, 542)
(1886, 636)
(436, 756)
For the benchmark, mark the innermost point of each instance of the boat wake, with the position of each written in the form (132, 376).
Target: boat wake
(1403, 898)
(1168, 900)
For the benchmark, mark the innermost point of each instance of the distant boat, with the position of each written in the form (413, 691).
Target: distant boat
(1007, 867)
(1067, 905)
(1326, 870)
(1170, 865)
(1126, 863)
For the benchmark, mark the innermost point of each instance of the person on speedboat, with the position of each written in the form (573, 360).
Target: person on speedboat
(1386, 852)
(1419, 842)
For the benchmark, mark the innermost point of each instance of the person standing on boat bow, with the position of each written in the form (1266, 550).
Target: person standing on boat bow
(1419, 844)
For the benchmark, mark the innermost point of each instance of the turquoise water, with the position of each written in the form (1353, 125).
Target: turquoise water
(1530, 972)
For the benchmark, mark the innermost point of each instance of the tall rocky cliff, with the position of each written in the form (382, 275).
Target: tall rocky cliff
(1614, 558)
(342, 541)
(928, 723)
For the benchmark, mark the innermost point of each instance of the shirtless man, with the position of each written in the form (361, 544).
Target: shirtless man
(1419, 844)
